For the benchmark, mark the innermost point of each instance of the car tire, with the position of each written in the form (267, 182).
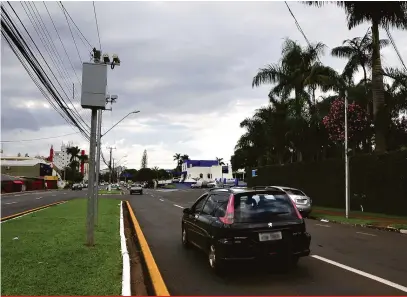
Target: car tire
(216, 264)
(184, 238)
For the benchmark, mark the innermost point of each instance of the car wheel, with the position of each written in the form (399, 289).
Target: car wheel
(215, 263)
(185, 242)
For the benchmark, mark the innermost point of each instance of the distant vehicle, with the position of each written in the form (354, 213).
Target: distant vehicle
(301, 200)
(212, 184)
(195, 185)
(136, 188)
(176, 180)
(246, 224)
(76, 187)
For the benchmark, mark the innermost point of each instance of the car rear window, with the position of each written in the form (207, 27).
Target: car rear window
(260, 207)
(294, 192)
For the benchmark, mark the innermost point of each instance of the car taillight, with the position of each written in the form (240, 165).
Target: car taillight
(296, 209)
(230, 211)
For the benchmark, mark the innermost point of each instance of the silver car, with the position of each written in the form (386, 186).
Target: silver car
(301, 200)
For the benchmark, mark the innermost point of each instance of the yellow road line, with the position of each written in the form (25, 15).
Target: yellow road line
(28, 211)
(157, 281)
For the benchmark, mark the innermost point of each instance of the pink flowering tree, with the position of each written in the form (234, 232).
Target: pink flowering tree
(358, 123)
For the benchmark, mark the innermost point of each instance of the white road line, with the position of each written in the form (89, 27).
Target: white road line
(162, 200)
(362, 273)
(323, 225)
(53, 195)
(64, 193)
(38, 198)
(16, 195)
(11, 202)
(178, 206)
(126, 289)
(366, 234)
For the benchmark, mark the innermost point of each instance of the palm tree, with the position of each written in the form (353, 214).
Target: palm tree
(177, 158)
(380, 14)
(220, 161)
(74, 152)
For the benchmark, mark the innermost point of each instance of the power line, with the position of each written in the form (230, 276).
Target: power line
(393, 43)
(65, 10)
(73, 38)
(297, 24)
(35, 139)
(97, 25)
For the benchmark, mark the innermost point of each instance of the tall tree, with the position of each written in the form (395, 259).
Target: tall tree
(19, 155)
(144, 160)
(383, 14)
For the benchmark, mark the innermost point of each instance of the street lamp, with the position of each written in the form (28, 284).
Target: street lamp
(136, 111)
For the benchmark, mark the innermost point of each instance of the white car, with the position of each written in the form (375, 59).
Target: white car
(136, 188)
(301, 200)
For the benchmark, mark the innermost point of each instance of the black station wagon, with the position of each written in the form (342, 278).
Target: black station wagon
(246, 224)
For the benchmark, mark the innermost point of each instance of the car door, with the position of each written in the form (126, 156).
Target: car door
(191, 220)
(204, 221)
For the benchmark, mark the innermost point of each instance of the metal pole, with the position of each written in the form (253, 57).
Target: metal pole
(90, 222)
(346, 159)
(99, 145)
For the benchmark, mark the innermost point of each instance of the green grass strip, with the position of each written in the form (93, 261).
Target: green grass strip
(113, 192)
(50, 256)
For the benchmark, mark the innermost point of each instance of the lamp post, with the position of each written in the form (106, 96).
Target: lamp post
(136, 111)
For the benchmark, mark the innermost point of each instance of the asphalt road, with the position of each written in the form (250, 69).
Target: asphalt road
(380, 255)
(19, 202)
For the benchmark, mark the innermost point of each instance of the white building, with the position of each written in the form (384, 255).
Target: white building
(207, 170)
(61, 158)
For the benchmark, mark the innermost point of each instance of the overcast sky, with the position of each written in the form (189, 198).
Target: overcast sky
(187, 66)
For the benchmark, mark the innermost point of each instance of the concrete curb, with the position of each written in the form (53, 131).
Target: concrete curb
(389, 229)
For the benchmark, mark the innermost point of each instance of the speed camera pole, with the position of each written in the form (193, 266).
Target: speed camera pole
(98, 146)
(94, 83)
(90, 222)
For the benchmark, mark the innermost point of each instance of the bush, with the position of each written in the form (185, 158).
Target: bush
(378, 182)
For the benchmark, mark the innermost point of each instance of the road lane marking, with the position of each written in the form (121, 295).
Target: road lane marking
(11, 202)
(53, 195)
(366, 234)
(27, 212)
(362, 273)
(38, 198)
(64, 193)
(178, 206)
(323, 225)
(158, 284)
(16, 195)
(162, 200)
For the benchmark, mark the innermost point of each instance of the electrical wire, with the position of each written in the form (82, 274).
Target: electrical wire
(395, 47)
(24, 53)
(65, 10)
(97, 25)
(35, 139)
(73, 38)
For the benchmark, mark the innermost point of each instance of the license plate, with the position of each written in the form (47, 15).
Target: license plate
(270, 236)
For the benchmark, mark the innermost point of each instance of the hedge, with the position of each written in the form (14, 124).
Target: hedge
(377, 182)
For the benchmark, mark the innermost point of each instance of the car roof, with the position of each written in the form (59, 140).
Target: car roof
(240, 190)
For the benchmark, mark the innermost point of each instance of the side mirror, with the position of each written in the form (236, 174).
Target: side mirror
(187, 210)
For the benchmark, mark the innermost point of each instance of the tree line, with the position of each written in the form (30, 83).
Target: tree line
(297, 126)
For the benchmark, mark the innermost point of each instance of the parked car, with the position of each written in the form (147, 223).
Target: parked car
(195, 185)
(246, 224)
(76, 187)
(136, 188)
(301, 200)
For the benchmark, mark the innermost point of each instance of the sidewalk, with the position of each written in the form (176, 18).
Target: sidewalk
(379, 220)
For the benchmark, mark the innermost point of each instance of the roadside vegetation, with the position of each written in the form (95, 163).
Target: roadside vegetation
(50, 257)
(298, 138)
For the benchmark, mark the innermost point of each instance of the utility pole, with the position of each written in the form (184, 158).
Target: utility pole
(346, 159)
(110, 166)
(94, 84)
